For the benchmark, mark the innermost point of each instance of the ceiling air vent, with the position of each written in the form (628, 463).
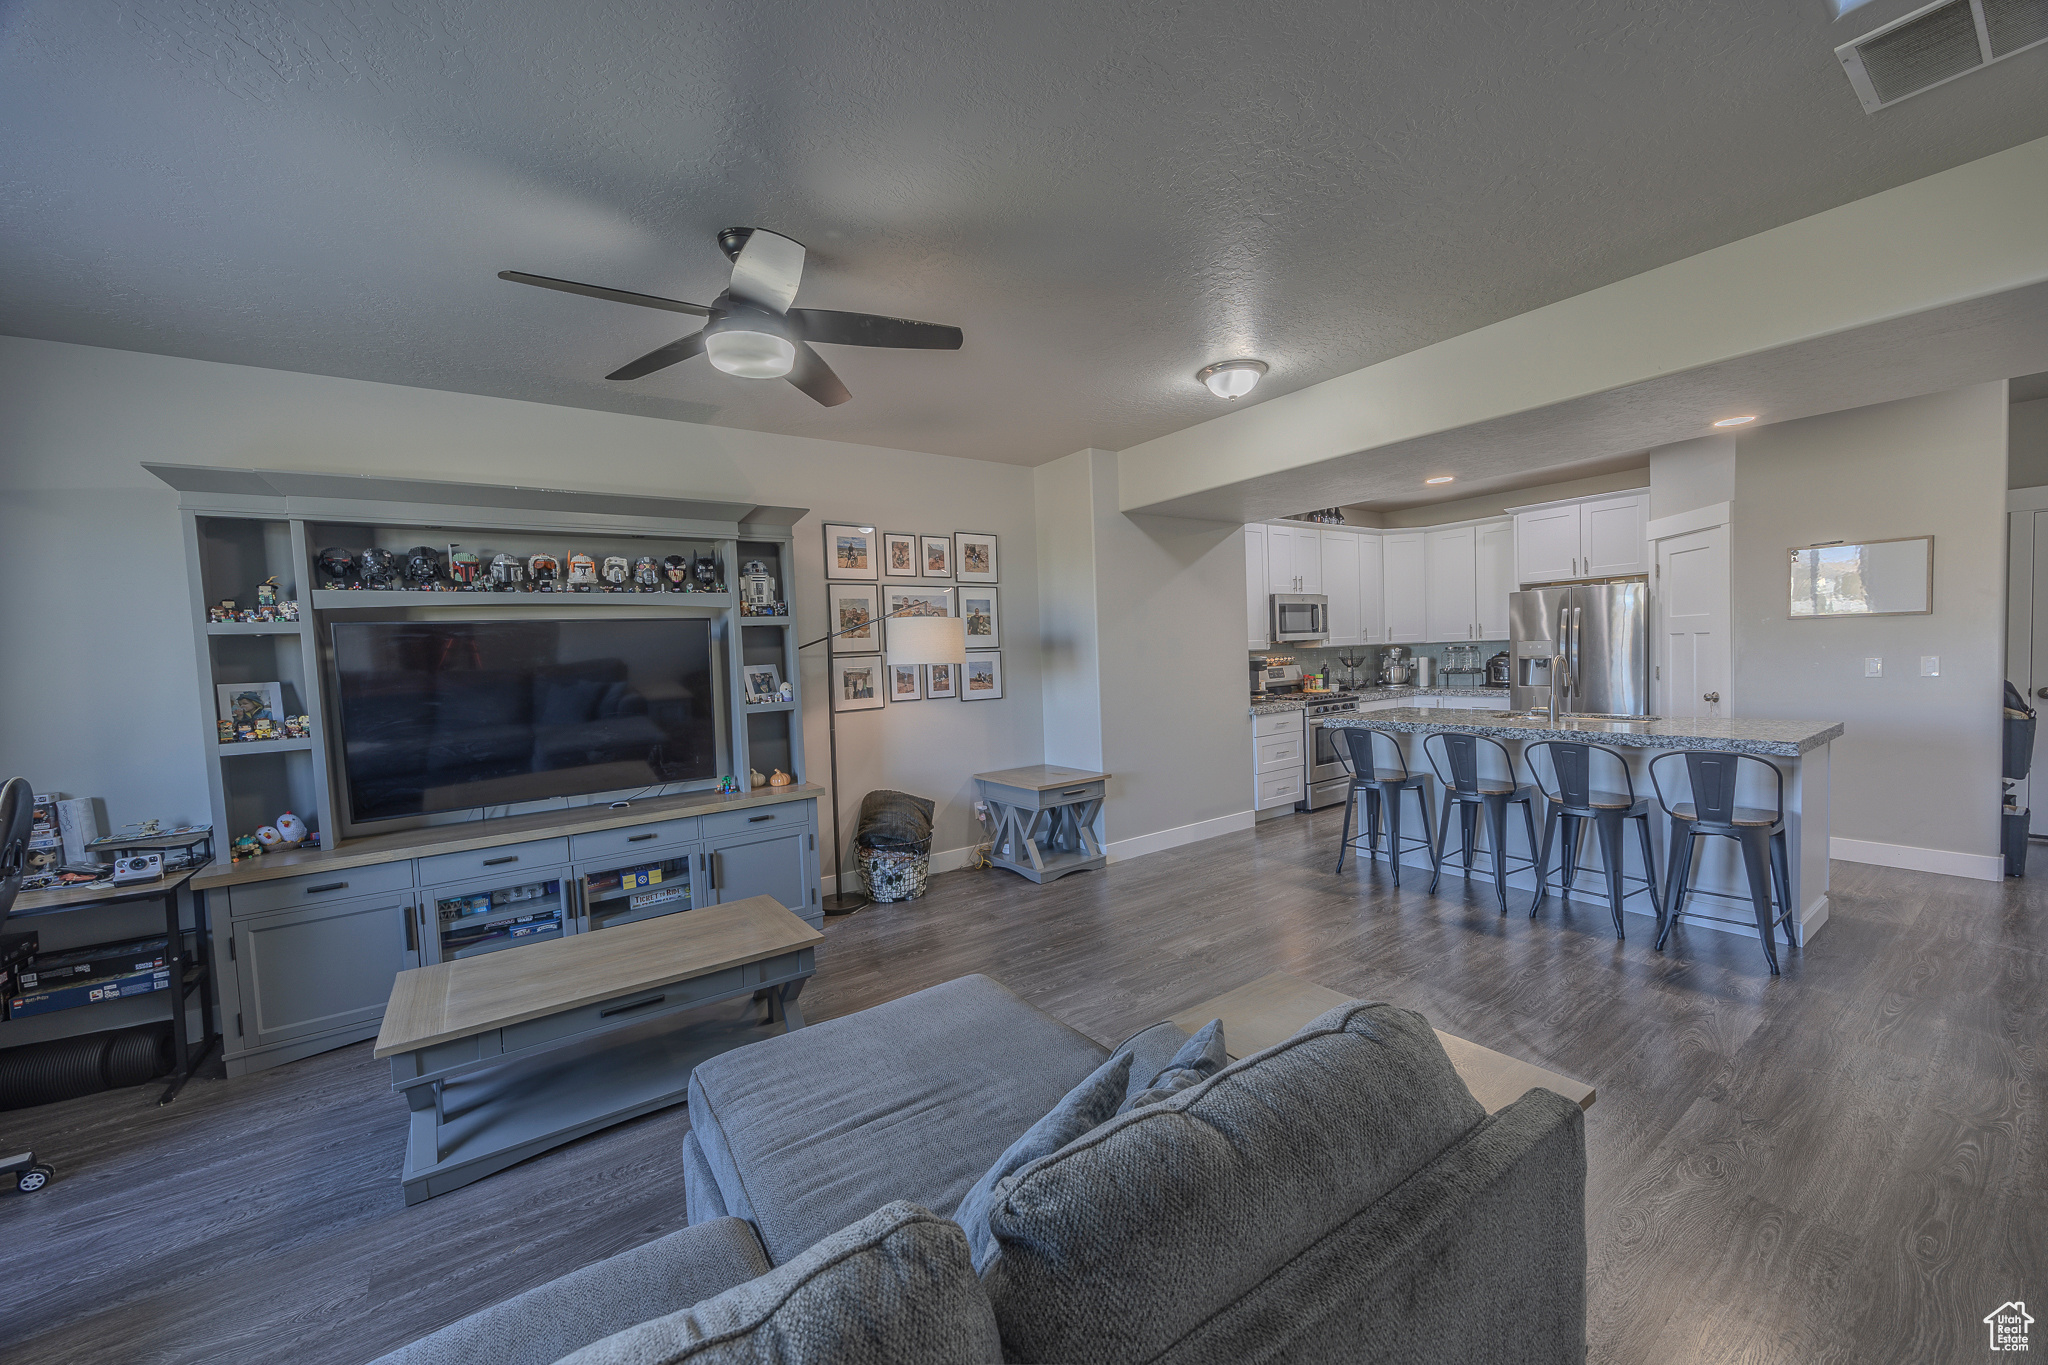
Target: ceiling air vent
(1934, 45)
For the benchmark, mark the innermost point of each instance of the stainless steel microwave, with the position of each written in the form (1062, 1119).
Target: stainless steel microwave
(1299, 617)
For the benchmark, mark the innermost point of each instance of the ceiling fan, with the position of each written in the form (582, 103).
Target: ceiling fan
(752, 331)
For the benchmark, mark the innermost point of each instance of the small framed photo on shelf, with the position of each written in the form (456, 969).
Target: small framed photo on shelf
(974, 557)
(902, 599)
(850, 551)
(764, 683)
(251, 710)
(855, 609)
(857, 684)
(938, 557)
(984, 622)
(899, 554)
(942, 681)
(904, 683)
(982, 677)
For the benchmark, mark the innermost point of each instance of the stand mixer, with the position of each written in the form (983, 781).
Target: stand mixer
(1394, 665)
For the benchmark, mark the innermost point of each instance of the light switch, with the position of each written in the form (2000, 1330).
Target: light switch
(1930, 665)
(1873, 668)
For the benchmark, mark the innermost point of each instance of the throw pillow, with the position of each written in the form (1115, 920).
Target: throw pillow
(1088, 1105)
(1199, 1058)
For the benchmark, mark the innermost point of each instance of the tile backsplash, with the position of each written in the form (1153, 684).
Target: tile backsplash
(1313, 660)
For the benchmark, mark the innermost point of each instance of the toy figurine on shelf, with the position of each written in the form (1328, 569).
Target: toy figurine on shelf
(338, 567)
(227, 732)
(543, 569)
(268, 836)
(287, 611)
(788, 692)
(705, 571)
(464, 567)
(226, 609)
(219, 616)
(291, 830)
(266, 728)
(244, 733)
(423, 568)
(781, 779)
(379, 569)
(244, 846)
(615, 573)
(508, 574)
(646, 574)
(582, 572)
(676, 570)
(266, 592)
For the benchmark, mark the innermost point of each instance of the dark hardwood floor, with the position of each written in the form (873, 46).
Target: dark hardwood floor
(1844, 1164)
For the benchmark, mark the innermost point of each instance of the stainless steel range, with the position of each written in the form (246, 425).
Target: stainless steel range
(1329, 769)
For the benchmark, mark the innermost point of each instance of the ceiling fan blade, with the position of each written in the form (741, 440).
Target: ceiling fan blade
(598, 291)
(767, 270)
(815, 378)
(867, 329)
(681, 349)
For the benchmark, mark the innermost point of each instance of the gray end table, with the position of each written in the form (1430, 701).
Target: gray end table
(1045, 819)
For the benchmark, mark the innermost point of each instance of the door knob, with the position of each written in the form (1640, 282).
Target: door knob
(1714, 697)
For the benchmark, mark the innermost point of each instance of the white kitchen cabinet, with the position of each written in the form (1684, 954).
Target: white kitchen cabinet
(1372, 598)
(1450, 584)
(1340, 581)
(1257, 618)
(1547, 544)
(1294, 558)
(1494, 557)
(1279, 773)
(1611, 535)
(1403, 574)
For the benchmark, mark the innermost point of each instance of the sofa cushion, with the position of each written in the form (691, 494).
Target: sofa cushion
(550, 1320)
(1151, 1049)
(806, 1131)
(1126, 1239)
(1199, 1058)
(1089, 1104)
(896, 1286)
(701, 1195)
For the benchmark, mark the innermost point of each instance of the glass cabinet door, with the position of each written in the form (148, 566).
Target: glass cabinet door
(473, 922)
(626, 895)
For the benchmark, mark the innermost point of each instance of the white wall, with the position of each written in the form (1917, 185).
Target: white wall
(1691, 474)
(98, 669)
(1919, 763)
(2027, 442)
(1069, 660)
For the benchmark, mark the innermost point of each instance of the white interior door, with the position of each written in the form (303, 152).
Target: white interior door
(2035, 686)
(1692, 625)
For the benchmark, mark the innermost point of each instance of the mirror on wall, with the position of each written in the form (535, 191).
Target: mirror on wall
(1867, 578)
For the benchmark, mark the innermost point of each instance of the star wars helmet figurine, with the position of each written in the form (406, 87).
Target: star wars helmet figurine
(676, 571)
(464, 567)
(615, 572)
(543, 570)
(582, 571)
(705, 571)
(508, 574)
(338, 567)
(646, 574)
(379, 568)
(423, 567)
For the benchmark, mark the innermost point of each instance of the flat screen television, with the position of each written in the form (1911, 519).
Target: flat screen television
(454, 715)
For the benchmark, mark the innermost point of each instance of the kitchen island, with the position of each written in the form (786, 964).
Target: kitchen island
(1799, 748)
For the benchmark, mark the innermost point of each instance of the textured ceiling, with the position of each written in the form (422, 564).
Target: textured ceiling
(1105, 196)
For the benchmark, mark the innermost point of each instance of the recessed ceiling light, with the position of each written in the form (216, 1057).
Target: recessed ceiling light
(1231, 378)
(1441, 478)
(1735, 421)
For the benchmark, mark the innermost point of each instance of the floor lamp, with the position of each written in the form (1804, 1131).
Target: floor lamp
(912, 640)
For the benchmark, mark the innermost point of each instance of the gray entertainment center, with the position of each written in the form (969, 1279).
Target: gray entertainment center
(307, 941)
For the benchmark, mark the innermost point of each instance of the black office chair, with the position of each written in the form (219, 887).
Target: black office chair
(17, 813)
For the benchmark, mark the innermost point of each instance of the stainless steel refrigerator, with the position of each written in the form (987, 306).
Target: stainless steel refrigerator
(1603, 632)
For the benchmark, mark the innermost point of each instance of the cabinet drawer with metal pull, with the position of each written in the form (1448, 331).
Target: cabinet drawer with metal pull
(504, 860)
(634, 839)
(289, 893)
(797, 813)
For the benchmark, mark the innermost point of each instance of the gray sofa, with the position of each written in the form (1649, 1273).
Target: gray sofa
(1338, 1197)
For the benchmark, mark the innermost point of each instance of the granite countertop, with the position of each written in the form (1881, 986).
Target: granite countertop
(1782, 738)
(1275, 705)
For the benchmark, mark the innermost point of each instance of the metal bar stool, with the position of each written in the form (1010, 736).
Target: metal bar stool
(1576, 799)
(1759, 830)
(1470, 793)
(1384, 784)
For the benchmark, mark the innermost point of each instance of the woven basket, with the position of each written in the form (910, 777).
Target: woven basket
(895, 874)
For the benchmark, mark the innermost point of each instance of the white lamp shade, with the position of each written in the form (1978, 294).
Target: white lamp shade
(927, 640)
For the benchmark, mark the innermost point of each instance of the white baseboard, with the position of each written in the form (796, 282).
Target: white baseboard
(1984, 867)
(1180, 834)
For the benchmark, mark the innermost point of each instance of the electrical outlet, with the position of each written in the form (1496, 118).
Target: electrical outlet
(1930, 665)
(1873, 668)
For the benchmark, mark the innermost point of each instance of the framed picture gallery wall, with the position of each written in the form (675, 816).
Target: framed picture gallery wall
(850, 552)
(872, 576)
(855, 611)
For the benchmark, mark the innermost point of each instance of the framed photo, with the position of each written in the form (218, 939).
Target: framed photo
(850, 551)
(904, 682)
(899, 555)
(902, 599)
(938, 557)
(942, 681)
(984, 621)
(764, 682)
(246, 703)
(974, 557)
(856, 609)
(857, 684)
(982, 677)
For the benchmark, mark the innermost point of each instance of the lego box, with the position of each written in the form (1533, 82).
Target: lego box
(90, 991)
(46, 970)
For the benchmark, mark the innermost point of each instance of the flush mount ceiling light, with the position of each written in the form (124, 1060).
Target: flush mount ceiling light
(1232, 378)
(1735, 421)
(1441, 478)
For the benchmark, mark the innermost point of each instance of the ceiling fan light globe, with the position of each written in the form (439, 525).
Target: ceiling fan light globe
(750, 355)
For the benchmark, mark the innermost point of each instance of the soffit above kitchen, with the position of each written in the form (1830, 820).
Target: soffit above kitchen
(1104, 199)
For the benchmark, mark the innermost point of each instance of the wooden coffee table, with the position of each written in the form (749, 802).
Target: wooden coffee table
(505, 1055)
(1273, 1009)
